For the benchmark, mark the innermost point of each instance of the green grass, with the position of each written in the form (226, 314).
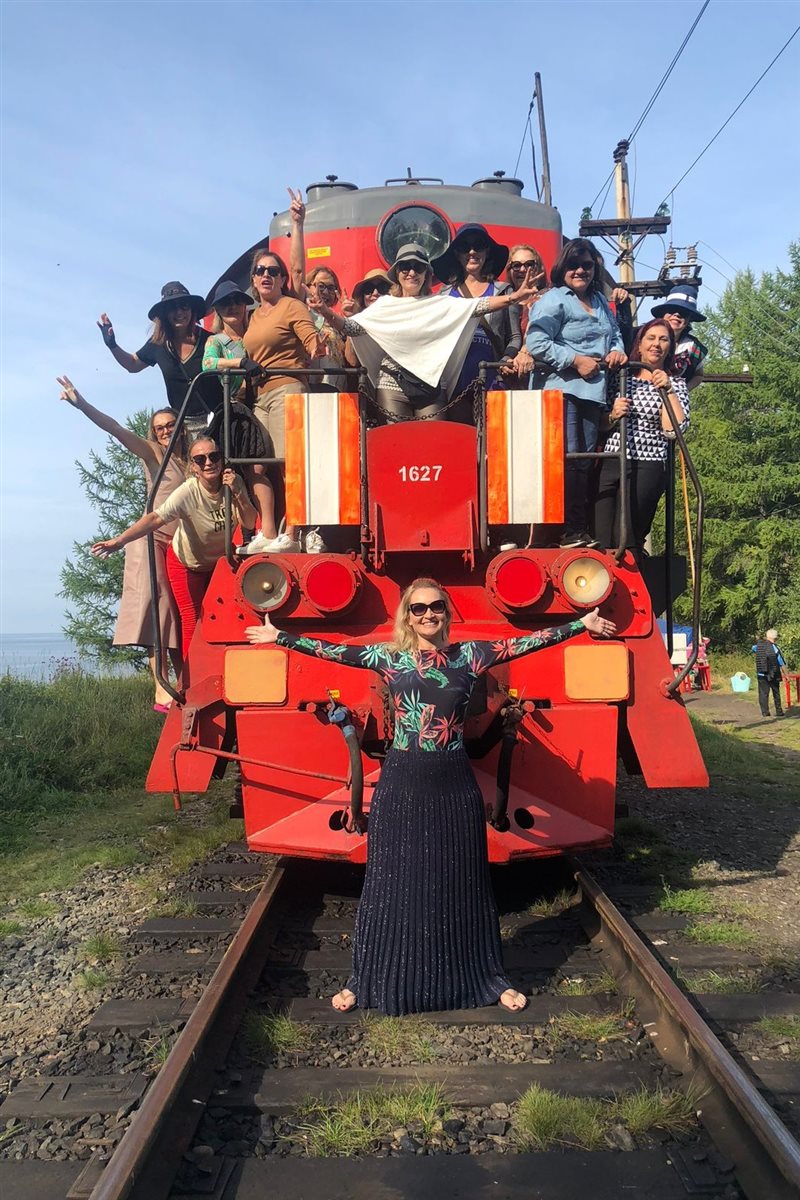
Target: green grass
(693, 901)
(553, 907)
(101, 948)
(177, 906)
(156, 1052)
(589, 1027)
(393, 1037)
(741, 754)
(721, 933)
(93, 978)
(9, 928)
(589, 985)
(544, 1119)
(720, 983)
(353, 1124)
(782, 1029)
(267, 1034)
(36, 909)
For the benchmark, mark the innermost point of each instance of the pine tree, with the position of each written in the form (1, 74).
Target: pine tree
(745, 442)
(115, 487)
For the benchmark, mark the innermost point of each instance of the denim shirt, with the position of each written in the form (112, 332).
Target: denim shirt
(559, 328)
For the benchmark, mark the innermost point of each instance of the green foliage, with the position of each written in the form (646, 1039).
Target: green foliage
(115, 487)
(745, 442)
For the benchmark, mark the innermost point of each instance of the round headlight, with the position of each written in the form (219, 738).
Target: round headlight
(516, 580)
(265, 584)
(331, 584)
(584, 580)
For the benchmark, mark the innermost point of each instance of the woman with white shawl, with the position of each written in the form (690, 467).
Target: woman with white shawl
(413, 343)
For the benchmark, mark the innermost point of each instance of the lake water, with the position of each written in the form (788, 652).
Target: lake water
(39, 656)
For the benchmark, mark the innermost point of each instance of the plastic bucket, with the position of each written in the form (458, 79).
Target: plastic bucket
(740, 682)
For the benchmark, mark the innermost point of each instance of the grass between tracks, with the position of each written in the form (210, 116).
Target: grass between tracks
(353, 1124)
(544, 1119)
(74, 754)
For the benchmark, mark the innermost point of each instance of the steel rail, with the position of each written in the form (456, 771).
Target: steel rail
(742, 1124)
(144, 1165)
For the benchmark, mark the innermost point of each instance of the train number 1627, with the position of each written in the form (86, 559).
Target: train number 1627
(423, 474)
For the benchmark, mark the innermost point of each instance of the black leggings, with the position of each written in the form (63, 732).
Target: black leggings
(647, 483)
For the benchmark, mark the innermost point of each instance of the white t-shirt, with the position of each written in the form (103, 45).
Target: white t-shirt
(199, 540)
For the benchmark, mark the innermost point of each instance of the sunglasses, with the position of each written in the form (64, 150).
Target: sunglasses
(273, 272)
(438, 608)
(164, 428)
(585, 263)
(381, 288)
(230, 302)
(524, 266)
(467, 245)
(212, 458)
(407, 268)
(325, 287)
(176, 306)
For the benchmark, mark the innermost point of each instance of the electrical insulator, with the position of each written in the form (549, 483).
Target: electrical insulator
(691, 255)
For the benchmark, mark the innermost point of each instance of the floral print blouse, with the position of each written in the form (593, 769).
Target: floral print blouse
(430, 689)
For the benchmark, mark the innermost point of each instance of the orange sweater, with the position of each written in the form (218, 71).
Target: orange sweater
(279, 336)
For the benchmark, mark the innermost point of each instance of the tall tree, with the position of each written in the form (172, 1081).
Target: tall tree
(115, 487)
(745, 442)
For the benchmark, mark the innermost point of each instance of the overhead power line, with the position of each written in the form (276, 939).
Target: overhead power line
(659, 88)
(525, 128)
(727, 122)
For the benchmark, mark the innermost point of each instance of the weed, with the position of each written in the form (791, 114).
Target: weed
(92, 978)
(657, 1108)
(37, 909)
(267, 1034)
(177, 907)
(695, 901)
(7, 928)
(553, 907)
(782, 1029)
(101, 948)
(544, 1119)
(156, 1052)
(589, 985)
(720, 982)
(587, 1027)
(720, 933)
(391, 1037)
(344, 1126)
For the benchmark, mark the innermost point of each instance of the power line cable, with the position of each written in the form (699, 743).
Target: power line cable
(525, 129)
(727, 122)
(659, 88)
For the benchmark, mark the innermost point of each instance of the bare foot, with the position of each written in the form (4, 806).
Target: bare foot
(344, 1000)
(512, 1000)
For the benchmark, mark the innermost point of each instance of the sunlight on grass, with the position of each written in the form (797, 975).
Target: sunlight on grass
(589, 985)
(101, 948)
(721, 933)
(652, 1108)
(695, 901)
(8, 928)
(267, 1034)
(92, 978)
(720, 982)
(589, 1027)
(544, 1119)
(782, 1029)
(553, 907)
(353, 1124)
(393, 1037)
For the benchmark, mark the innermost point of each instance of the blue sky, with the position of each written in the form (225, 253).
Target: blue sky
(152, 141)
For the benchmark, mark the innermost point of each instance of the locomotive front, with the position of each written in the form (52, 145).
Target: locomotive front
(425, 498)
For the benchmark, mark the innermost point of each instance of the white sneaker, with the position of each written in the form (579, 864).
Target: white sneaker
(260, 544)
(314, 543)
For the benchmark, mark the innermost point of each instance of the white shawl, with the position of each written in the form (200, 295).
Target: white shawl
(428, 336)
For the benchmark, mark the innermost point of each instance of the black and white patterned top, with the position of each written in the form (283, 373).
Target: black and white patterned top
(647, 441)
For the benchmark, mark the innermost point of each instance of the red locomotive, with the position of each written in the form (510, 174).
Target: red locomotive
(425, 498)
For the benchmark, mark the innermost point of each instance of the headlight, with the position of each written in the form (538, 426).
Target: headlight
(584, 580)
(265, 584)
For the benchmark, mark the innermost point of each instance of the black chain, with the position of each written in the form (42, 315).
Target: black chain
(473, 389)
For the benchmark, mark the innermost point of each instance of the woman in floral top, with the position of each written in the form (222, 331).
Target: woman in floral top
(427, 934)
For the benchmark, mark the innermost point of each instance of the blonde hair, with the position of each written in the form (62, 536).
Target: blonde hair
(404, 636)
(195, 442)
(535, 254)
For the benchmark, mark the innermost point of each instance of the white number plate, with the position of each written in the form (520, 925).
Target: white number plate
(422, 474)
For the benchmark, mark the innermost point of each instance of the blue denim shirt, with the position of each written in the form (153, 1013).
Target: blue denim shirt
(559, 328)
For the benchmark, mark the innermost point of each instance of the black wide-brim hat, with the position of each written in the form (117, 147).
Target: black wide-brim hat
(682, 298)
(228, 290)
(447, 267)
(173, 291)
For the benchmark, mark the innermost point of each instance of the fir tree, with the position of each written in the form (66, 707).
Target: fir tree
(114, 484)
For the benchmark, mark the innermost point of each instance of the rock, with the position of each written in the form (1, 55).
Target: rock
(453, 1126)
(499, 1111)
(619, 1137)
(494, 1128)
(410, 1145)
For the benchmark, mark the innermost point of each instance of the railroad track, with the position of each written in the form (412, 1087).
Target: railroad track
(287, 955)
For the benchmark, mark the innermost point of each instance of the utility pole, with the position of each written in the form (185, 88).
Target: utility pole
(623, 195)
(547, 195)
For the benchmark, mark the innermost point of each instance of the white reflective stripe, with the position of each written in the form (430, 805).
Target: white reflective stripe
(524, 456)
(322, 458)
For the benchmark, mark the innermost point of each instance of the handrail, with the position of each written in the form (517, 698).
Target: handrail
(225, 374)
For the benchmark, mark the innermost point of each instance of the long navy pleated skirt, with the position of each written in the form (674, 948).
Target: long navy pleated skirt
(427, 935)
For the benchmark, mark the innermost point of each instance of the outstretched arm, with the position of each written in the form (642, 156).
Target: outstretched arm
(126, 437)
(492, 653)
(350, 656)
(129, 361)
(149, 523)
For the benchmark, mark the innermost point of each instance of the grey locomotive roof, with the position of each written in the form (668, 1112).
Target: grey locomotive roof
(368, 206)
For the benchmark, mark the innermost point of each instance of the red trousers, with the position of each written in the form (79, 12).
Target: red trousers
(188, 588)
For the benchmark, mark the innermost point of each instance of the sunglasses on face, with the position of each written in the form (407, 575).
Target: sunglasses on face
(226, 304)
(467, 246)
(417, 268)
(524, 266)
(177, 306)
(585, 264)
(325, 287)
(381, 288)
(438, 608)
(213, 457)
(273, 272)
